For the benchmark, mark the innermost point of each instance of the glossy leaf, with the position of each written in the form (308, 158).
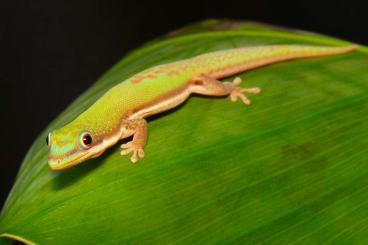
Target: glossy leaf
(290, 168)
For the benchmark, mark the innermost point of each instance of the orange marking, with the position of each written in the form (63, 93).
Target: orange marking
(62, 143)
(137, 79)
(63, 131)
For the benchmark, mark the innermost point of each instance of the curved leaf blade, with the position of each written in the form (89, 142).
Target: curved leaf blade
(289, 168)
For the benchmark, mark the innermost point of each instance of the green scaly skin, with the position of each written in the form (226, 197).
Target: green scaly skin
(120, 112)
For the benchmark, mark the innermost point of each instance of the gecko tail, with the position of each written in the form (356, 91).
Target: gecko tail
(305, 51)
(318, 51)
(341, 50)
(226, 63)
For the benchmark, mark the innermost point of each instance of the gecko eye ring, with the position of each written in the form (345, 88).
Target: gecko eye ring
(86, 140)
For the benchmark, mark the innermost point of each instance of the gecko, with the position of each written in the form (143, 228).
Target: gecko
(122, 111)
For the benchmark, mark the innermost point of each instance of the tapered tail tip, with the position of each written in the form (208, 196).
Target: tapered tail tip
(344, 49)
(352, 47)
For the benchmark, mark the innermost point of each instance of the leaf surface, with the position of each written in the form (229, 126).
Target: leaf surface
(290, 168)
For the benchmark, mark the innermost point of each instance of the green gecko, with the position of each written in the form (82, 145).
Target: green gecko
(122, 110)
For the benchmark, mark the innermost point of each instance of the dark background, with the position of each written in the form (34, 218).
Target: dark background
(51, 51)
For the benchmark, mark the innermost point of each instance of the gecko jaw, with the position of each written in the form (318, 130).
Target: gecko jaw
(55, 164)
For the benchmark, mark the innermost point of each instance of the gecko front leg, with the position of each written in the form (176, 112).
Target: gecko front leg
(207, 85)
(137, 128)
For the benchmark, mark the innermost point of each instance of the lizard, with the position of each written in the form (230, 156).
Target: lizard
(122, 111)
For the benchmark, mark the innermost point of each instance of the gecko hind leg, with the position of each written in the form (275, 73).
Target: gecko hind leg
(206, 85)
(137, 128)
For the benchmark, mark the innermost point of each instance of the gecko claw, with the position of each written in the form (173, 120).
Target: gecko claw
(138, 151)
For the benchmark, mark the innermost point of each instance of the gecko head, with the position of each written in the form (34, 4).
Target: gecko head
(70, 146)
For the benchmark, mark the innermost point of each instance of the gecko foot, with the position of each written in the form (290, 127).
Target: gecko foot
(137, 151)
(239, 92)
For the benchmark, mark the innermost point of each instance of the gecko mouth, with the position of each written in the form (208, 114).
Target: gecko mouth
(56, 163)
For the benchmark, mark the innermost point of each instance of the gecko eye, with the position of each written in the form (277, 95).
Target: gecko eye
(86, 140)
(48, 139)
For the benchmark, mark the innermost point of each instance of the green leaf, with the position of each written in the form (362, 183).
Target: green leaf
(290, 168)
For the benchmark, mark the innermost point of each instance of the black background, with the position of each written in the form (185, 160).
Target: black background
(51, 51)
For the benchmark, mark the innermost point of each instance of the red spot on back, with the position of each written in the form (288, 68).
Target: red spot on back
(137, 79)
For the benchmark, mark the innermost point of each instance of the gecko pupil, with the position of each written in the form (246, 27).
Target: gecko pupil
(87, 139)
(47, 140)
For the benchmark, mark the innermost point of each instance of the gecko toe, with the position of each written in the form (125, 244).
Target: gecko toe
(128, 148)
(244, 99)
(239, 92)
(134, 157)
(237, 81)
(141, 153)
(126, 152)
(137, 153)
(254, 90)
